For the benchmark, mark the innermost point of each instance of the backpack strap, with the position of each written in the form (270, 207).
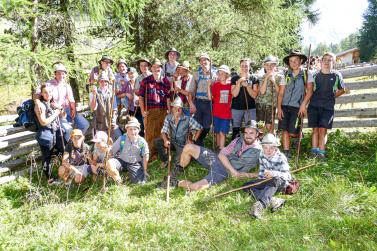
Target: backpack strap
(122, 142)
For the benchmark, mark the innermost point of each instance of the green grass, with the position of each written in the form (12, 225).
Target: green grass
(335, 209)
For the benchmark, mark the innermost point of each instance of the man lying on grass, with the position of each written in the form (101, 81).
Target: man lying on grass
(234, 160)
(273, 165)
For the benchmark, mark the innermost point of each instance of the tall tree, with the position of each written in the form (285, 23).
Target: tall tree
(368, 33)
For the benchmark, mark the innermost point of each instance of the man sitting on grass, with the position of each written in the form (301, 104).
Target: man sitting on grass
(273, 165)
(234, 160)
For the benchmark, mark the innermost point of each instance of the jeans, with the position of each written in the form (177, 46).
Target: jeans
(80, 121)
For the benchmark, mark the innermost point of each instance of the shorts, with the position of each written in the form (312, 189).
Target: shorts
(320, 117)
(135, 170)
(290, 121)
(85, 170)
(211, 161)
(221, 125)
(264, 113)
(242, 115)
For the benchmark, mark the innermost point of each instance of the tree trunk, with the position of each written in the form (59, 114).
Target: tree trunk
(34, 42)
(215, 40)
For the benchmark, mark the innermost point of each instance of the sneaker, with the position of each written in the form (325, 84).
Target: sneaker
(276, 203)
(256, 210)
(314, 153)
(54, 182)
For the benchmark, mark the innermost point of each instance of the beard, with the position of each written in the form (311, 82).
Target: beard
(249, 141)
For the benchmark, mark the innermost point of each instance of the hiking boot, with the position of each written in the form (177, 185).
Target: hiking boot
(313, 153)
(276, 203)
(163, 165)
(256, 210)
(164, 183)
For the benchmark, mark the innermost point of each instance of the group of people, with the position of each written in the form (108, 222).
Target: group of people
(141, 114)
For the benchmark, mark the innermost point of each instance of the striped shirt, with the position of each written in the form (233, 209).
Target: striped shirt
(156, 92)
(277, 165)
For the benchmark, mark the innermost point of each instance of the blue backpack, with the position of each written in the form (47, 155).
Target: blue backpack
(26, 116)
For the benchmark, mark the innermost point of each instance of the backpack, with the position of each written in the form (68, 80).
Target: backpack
(26, 116)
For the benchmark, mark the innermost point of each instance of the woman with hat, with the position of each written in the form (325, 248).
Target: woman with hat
(172, 56)
(121, 84)
(293, 98)
(76, 158)
(154, 103)
(104, 68)
(133, 155)
(245, 88)
(268, 90)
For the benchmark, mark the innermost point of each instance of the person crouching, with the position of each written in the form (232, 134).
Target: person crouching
(133, 155)
(274, 167)
(75, 163)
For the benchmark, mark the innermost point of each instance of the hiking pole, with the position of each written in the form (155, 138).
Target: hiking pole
(258, 183)
(302, 118)
(109, 124)
(211, 108)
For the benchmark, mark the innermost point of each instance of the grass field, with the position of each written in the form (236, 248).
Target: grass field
(334, 209)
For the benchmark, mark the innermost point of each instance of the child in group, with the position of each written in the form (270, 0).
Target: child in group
(76, 159)
(328, 85)
(273, 165)
(268, 91)
(221, 95)
(99, 153)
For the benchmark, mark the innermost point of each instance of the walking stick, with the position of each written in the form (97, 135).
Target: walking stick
(247, 105)
(169, 168)
(211, 108)
(260, 182)
(110, 118)
(272, 109)
(302, 118)
(61, 133)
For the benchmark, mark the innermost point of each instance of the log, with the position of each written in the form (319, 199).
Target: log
(357, 112)
(359, 72)
(8, 118)
(356, 98)
(4, 170)
(16, 153)
(9, 129)
(16, 139)
(362, 85)
(7, 179)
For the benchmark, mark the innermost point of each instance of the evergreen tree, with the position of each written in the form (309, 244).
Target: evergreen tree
(368, 33)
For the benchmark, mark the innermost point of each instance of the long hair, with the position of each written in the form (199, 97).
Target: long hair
(44, 86)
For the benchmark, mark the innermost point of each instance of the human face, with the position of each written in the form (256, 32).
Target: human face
(177, 111)
(156, 69)
(223, 76)
(103, 83)
(77, 140)
(46, 93)
(172, 56)
(327, 62)
(131, 75)
(60, 75)
(132, 132)
(269, 67)
(101, 146)
(144, 67)
(295, 62)
(122, 68)
(245, 67)
(268, 150)
(250, 135)
(204, 63)
(105, 64)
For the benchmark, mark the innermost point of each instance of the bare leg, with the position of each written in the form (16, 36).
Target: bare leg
(188, 152)
(113, 172)
(315, 135)
(322, 138)
(188, 185)
(285, 139)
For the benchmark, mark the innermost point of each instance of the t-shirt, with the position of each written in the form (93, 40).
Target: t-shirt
(295, 88)
(77, 156)
(222, 98)
(61, 92)
(132, 152)
(325, 86)
(266, 98)
(239, 102)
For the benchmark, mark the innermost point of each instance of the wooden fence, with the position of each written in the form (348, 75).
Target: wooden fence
(357, 109)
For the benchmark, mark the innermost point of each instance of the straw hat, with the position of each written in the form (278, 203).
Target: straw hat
(172, 50)
(106, 57)
(133, 122)
(270, 139)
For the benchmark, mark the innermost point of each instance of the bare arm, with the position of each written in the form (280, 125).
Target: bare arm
(305, 102)
(280, 101)
(40, 112)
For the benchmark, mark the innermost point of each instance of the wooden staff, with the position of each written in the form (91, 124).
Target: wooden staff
(211, 103)
(302, 118)
(169, 167)
(110, 118)
(247, 105)
(272, 109)
(260, 182)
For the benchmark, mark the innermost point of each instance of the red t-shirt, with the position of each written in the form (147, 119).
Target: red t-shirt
(222, 100)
